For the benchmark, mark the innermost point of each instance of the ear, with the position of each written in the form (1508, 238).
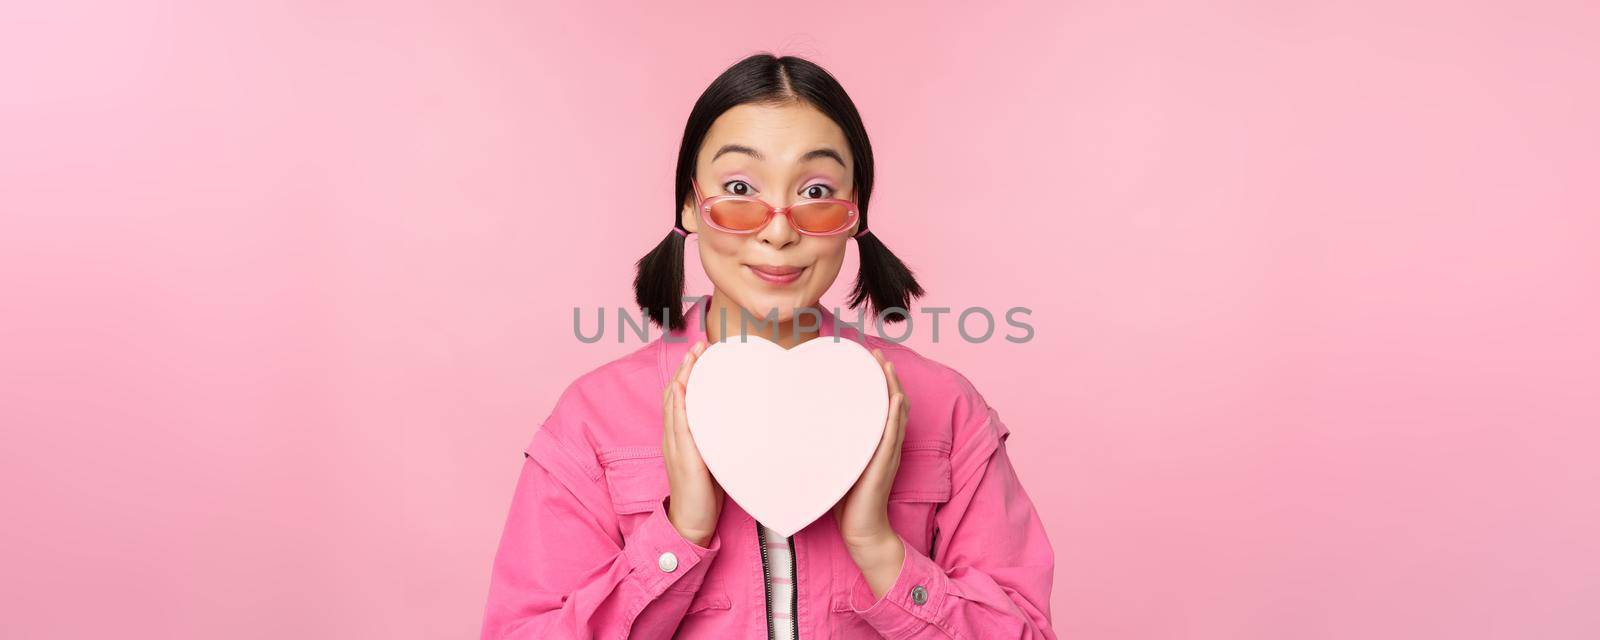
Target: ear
(688, 217)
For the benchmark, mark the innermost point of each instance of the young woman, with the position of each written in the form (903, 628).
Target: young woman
(618, 530)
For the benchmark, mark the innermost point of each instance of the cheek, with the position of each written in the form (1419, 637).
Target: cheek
(720, 253)
(830, 259)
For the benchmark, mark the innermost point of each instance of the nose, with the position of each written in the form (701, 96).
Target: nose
(778, 232)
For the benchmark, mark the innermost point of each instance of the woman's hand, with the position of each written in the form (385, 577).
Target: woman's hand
(696, 498)
(863, 513)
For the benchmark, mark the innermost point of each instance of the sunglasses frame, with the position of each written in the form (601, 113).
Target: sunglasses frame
(704, 205)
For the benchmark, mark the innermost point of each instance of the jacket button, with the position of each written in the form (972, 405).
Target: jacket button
(919, 595)
(668, 562)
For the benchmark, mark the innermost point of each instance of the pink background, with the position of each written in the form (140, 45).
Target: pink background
(285, 287)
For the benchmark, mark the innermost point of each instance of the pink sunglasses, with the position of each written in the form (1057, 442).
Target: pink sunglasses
(743, 214)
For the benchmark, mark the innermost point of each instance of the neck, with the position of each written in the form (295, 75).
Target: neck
(781, 332)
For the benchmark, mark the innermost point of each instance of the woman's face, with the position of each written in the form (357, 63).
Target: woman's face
(761, 151)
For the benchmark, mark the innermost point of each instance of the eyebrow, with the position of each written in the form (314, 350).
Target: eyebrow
(823, 152)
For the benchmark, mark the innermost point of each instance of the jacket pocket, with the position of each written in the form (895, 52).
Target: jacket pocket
(710, 598)
(924, 474)
(636, 478)
(710, 615)
(921, 485)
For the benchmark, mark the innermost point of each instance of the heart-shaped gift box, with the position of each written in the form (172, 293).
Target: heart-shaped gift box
(786, 432)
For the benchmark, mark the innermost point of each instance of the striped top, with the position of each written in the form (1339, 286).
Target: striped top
(780, 568)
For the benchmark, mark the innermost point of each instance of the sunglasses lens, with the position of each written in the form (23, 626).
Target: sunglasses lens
(739, 215)
(820, 217)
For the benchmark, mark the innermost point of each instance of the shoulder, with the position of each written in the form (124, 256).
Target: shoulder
(946, 407)
(614, 404)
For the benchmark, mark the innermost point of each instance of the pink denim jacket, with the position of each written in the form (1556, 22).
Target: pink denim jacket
(584, 552)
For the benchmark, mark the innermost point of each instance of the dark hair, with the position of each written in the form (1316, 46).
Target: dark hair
(765, 79)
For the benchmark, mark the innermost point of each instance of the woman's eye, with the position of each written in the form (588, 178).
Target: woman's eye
(738, 188)
(817, 192)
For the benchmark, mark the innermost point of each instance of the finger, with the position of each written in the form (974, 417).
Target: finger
(899, 424)
(675, 418)
(900, 431)
(682, 374)
(895, 390)
(681, 382)
(668, 411)
(895, 402)
(679, 417)
(689, 359)
(671, 402)
(685, 436)
(894, 380)
(891, 430)
(886, 446)
(890, 461)
(885, 460)
(666, 399)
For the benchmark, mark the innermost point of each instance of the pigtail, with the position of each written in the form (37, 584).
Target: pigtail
(658, 283)
(884, 280)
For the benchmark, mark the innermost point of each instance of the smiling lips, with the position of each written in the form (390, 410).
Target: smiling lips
(776, 274)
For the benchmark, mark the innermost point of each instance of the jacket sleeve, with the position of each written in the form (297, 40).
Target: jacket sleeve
(562, 569)
(995, 564)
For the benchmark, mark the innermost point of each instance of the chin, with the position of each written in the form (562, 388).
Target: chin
(763, 305)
